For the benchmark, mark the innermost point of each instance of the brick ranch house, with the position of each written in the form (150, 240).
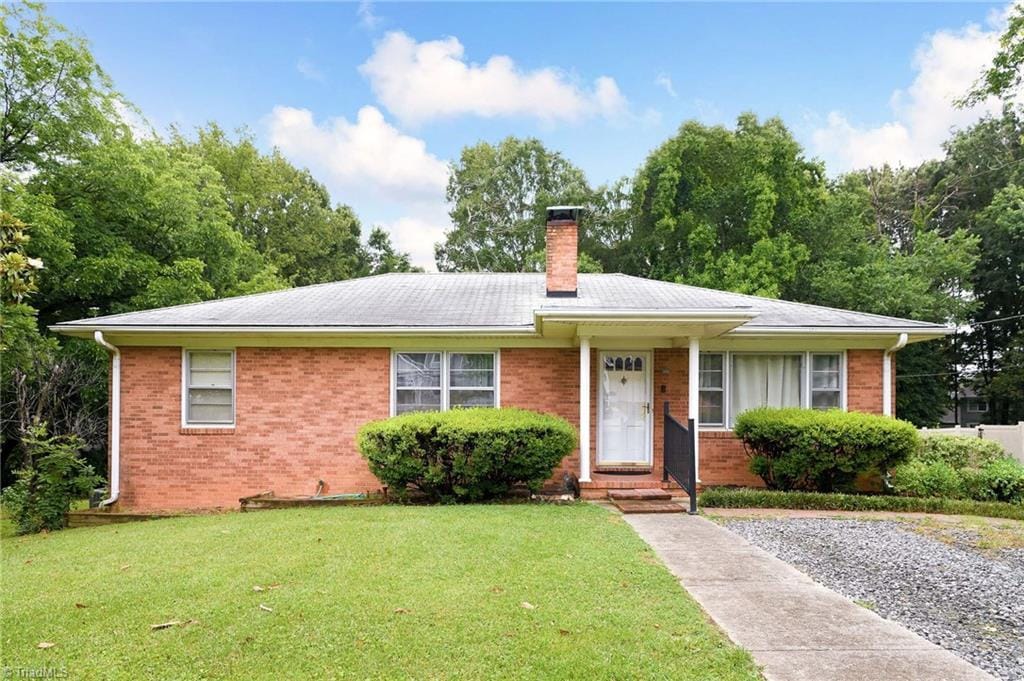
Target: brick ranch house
(218, 400)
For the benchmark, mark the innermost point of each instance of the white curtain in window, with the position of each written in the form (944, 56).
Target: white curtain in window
(765, 381)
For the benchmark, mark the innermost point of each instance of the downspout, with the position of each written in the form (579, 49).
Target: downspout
(115, 421)
(887, 374)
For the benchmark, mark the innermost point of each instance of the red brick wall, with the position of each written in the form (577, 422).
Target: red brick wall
(546, 380)
(298, 409)
(297, 412)
(864, 381)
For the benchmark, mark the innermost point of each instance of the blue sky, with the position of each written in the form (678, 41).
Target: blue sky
(376, 99)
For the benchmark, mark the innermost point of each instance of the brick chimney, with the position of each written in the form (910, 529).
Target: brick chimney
(562, 235)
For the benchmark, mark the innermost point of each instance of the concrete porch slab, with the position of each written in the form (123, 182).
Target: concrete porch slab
(795, 628)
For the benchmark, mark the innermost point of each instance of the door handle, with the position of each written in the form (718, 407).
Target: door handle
(647, 407)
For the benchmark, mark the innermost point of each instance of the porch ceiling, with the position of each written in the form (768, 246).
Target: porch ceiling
(633, 324)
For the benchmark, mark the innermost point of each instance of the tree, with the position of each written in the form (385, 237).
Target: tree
(382, 258)
(56, 98)
(281, 210)
(17, 270)
(725, 208)
(132, 224)
(498, 195)
(997, 340)
(1003, 78)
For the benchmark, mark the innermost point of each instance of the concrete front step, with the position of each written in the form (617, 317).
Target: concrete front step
(647, 506)
(639, 495)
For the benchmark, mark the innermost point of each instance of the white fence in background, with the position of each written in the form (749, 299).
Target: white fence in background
(1010, 437)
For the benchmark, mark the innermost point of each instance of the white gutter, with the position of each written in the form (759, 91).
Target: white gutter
(79, 329)
(936, 331)
(887, 374)
(115, 421)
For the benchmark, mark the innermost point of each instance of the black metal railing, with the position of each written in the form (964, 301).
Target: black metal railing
(680, 456)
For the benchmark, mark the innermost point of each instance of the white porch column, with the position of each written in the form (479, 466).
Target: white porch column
(584, 409)
(693, 399)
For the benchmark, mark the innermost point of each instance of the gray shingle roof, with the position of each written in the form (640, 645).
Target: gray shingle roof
(478, 300)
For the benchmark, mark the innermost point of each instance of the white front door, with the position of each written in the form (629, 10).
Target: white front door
(624, 410)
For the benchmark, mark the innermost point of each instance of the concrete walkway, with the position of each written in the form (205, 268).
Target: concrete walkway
(796, 629)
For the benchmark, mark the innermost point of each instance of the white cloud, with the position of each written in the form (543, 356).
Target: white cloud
(367, 153)
(367, 18)
(370, 164)
(664, 81)
(947, 63)
(421, 81)
(417, 235)
(309, 70)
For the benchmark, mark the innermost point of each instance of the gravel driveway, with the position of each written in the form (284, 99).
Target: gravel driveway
(968, 601)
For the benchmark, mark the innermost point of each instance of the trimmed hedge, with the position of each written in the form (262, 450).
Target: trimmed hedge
(807, 449)
(466, 454)
(724, 497)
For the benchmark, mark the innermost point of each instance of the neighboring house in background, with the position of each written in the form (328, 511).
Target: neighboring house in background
(972, 407)
(218, 400)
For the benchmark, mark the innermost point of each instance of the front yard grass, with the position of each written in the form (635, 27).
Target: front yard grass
(519, 591)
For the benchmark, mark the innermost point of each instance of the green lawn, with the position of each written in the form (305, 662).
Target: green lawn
(372, 592)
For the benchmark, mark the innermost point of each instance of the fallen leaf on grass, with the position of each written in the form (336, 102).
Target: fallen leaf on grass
(125, 567)
(43, 645)
(28, 562)
(528, 606)
(265, 608)
(81, 605)
(564, 632)
(164, 625)
(257, 587)
(497, 590)
(402, 611)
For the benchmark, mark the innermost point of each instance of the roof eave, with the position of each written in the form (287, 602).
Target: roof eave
(86, 331)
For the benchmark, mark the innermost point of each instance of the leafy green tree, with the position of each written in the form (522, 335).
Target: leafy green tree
(498, 195)
(147, 224)
(17, 270)
(381, 256)
(281, 210)
(1003, 77)
(998, 286)
(726, 208)
(56, 100)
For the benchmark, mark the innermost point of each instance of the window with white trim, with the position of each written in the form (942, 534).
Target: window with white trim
(434, 381)
(209, 387)
(826, 381)
(732, 382)
(712, 388)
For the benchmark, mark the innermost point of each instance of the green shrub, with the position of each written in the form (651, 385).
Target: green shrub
(998, 480)
(55, 476)
(466, 454)
(917, 478)
(806, 449)
(959, 451)
(724, 497)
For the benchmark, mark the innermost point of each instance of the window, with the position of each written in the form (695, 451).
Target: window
(765, 381)
(209, 387)
(471, 379)
(732, 382)
(977, 406)
(434, 381)
(712, 389)
(825, 382)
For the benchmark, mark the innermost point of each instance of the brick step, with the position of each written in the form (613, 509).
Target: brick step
(640, 494)
(647, 506)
